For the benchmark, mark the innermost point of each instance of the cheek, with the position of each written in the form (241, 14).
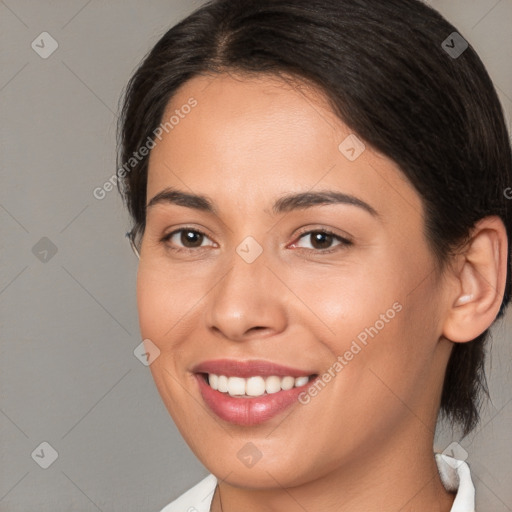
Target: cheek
(169, 300)
(379, 321)
(157, 303)
(165, 318)
(348, 299)
(149, 297)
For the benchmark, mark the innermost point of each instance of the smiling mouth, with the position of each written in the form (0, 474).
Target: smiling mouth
(254, 386)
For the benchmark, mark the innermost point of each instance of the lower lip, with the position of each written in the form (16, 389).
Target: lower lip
(248, 411)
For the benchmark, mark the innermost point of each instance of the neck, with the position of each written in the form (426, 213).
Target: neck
(388, 480)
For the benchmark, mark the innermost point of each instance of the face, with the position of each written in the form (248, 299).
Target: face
(339, 286)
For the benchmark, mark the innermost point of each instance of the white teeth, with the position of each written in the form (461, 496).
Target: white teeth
(223, 384)
(287, 382)
(300, 381)
(254, 386)
(213, 380)
(236, 386)
(272, 384)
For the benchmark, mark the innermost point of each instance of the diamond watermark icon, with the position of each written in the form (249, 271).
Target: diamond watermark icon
(45, 455)
(249, 455)
(454, 45)
(44, 45)
(249, 249)
(352, 147)
(44, 250)
(454, 454)
(146, 352)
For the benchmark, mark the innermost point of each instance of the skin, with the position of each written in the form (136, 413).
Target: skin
(365, 441)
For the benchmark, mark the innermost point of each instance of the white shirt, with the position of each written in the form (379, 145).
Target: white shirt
(454, 474)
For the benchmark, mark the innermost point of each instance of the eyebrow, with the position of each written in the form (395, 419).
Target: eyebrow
(286, 203)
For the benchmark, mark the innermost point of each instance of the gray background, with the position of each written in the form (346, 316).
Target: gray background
(68, 375)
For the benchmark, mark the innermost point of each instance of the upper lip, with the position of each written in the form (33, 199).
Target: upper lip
(250, 368)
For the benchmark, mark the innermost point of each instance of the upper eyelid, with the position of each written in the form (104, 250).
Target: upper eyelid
(308, 231)
(185, 228)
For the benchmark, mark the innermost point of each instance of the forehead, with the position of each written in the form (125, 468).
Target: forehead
(254, 119)
(259, 136)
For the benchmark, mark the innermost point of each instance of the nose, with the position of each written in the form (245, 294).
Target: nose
(248, 301)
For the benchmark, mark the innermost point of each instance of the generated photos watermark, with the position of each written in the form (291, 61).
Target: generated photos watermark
(357, 345)
(137, 156)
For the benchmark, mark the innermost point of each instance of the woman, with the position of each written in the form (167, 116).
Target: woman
(318, 197)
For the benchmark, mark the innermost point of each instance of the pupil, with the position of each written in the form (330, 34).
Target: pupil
(191, 238)
(318, 236)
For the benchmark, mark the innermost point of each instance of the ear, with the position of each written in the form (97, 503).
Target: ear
(479, 282)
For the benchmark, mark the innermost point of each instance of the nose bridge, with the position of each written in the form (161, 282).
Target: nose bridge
(247, 296)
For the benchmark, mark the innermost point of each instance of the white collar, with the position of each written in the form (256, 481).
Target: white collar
(454, 475)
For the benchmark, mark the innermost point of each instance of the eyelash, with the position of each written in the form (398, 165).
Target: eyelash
(344, 242)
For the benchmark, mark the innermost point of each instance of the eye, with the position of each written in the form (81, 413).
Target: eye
(322, 240)
(189, 239)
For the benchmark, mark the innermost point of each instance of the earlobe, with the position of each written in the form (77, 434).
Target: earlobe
(479, 283)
